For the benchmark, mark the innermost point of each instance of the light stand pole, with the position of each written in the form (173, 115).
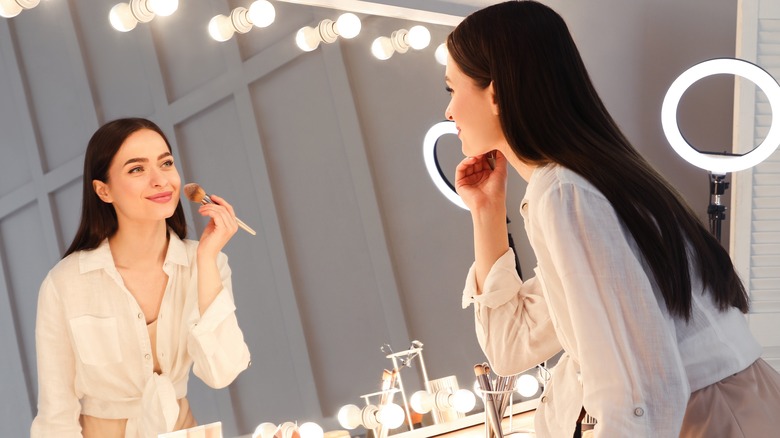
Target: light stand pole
(716, 210)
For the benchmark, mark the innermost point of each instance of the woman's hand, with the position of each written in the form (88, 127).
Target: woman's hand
(484, 191)
(220, 228)
(478, 185)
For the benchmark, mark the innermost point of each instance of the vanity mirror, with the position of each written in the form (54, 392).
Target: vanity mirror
(321, 152)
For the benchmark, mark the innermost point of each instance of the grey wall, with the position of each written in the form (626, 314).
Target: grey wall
(321, 153)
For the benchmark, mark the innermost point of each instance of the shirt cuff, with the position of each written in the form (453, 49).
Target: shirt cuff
(219, 309)
(501, 285)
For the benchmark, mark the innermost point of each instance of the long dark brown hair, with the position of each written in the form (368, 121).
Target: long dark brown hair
(550, 112)
(98, 219)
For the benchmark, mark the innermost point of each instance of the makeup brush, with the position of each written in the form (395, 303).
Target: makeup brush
(196, 194)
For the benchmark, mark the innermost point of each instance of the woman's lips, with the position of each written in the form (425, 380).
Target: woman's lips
(161, 198)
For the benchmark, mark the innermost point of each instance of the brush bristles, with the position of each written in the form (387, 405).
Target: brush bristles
(194, 192)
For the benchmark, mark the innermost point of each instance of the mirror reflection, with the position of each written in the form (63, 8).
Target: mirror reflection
(320, 152)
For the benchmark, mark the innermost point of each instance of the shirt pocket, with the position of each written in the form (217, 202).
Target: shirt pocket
(96, 339)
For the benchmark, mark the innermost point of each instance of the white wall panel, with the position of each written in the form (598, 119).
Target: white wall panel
(59, 95)
(23, 247)
(756, 247)
(114, 62)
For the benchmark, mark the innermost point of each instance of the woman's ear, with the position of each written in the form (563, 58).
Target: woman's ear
(101, 189)
(493, 101)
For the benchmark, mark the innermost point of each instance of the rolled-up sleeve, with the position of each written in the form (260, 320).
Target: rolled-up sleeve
(215, 340)
(511, 318)
(58, 405)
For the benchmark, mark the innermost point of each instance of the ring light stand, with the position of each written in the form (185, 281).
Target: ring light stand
(720, 164)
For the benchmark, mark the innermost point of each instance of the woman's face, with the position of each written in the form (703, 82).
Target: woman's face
(143, 183)
(474, 111)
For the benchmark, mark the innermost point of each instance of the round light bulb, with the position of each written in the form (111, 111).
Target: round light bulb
(477, 388)
(121, 18)
(262, 13)
(307, 39)
(28, 4)
(390, 415)
(9, 8)
(220, 28)
(441, 54)
(264, 430)
(288, 429)
(421, 402)
(527, 385)
(310, 430)
(163, 8)
(382, 48)
(419, 37)
(348, 25)
(349, 416)
(463, 400)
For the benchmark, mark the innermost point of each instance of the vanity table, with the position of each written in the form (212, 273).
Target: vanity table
(473, 426)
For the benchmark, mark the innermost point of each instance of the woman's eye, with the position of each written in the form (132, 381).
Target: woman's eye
(168, 163)
(135, 169)
(449, 90)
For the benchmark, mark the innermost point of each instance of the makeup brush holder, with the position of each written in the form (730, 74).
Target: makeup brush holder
(489, 398)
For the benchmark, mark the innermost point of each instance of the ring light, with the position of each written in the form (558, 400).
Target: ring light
(718, 163)
(429, 154)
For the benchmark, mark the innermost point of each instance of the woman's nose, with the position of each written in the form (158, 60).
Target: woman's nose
(158, 179)
(448, 113)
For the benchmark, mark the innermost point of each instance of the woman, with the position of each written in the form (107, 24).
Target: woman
(642, 299)
(133, 305)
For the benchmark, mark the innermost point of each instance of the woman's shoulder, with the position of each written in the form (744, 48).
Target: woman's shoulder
(553, 176)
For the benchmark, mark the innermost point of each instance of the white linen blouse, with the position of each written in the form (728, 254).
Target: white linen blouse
(626, 360)
(94, 354)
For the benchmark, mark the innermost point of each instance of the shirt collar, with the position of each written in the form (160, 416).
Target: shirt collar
(529, 190)
(101, 258)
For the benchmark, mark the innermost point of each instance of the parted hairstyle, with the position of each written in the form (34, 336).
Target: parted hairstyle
(98, 219)
(550, 112)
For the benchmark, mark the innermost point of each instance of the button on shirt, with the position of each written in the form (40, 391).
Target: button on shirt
(593, 296)
(94, 354)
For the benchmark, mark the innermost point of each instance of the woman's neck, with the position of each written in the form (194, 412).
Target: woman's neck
(139, 244)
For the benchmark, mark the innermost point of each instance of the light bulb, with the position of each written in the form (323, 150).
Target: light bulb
(28, 4)
(419, 37)
(477, 389)
(349, 416)
(9, 8)
(163, 8)
(441, 54)
(527, 385)
(288, 429)
(310, 430)
(421, 401)
(264, 430)
(220, 28)
(382, 48)
(121, 18)
(262, 13)
(390, 415)
(307, 39)
(348, 25)
(463, 400)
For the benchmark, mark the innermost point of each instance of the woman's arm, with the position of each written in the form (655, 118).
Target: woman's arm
(633, 380)
(216, 342)
(483, 189)
(58, 405)
(511, 318)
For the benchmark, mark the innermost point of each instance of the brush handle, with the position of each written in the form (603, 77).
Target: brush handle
(247, 228)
